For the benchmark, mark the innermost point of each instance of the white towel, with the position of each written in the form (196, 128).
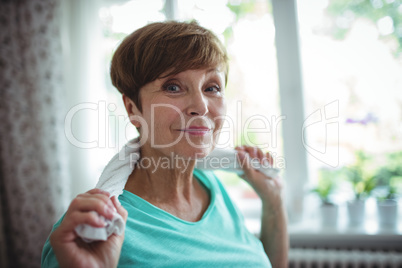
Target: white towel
(115, 175)
(226, 159)
(113, 179)
(119, 168)
(89, 233)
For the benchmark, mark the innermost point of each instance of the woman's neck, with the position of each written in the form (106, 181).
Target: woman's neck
(168, 183)
(162, 183)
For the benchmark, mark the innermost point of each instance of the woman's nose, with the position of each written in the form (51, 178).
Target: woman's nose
(198, 104)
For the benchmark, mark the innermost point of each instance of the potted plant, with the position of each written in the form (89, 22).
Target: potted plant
(363, 181)
(327, 183)
(389, 183)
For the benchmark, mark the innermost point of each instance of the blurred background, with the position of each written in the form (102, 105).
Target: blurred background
(317, 83)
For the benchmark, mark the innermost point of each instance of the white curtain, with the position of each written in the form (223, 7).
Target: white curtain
(33, 186)
(84, 75)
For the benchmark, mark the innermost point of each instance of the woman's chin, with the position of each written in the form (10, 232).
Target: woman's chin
(195, 152)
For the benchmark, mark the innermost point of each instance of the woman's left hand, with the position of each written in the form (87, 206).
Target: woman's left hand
(273, 235)
(269, 189)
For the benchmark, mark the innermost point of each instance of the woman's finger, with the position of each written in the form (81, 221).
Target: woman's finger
(255, 153)
(93, 202)
(252, 151)
(245, 163)
(66, 231)
(260, 154)
(77, 217)
(98, 191)
(268, 156)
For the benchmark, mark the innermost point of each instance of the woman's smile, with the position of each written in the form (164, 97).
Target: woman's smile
(197, 130)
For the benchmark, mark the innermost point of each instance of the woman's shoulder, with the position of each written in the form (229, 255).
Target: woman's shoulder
(208, 177)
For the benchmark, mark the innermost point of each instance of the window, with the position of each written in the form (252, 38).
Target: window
(349, 74)
(351, 65)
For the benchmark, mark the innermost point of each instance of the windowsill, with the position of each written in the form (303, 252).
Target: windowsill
(310, 233)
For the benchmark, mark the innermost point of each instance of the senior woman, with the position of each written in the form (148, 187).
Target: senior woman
(172, 76)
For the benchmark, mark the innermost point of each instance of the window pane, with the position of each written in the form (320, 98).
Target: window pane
(352, 66)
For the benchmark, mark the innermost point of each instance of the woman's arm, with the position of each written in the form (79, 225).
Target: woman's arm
(274, 235)
(70, 250)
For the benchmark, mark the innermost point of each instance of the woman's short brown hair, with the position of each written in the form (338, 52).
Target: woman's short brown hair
(164, 48)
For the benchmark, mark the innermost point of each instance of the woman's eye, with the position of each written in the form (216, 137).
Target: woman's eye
(214, 89)
(172, 88)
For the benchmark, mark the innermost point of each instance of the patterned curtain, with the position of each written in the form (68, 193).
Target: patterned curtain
(33, 188)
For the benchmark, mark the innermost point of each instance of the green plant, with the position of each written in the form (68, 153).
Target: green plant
(375, 11)
(361, 175)
(389, 177)
(327, 183)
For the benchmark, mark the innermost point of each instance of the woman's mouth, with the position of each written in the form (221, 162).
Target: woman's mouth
(197, 130)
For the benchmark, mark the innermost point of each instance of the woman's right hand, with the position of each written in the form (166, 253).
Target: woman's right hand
(70, 249)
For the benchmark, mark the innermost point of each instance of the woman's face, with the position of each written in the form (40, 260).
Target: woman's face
(183, 113)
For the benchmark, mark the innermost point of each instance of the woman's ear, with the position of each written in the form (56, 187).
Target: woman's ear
(132, 111)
